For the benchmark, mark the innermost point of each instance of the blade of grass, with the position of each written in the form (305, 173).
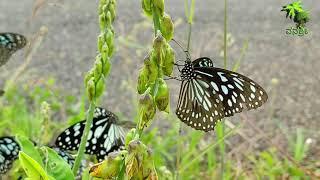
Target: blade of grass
(220, 130)
(243, 52)
(205, 150)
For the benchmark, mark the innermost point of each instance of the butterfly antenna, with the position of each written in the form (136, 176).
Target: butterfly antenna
(185, 51)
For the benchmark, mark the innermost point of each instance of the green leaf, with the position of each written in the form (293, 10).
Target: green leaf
(85, 174)
(57, 166)
(32, 168)
(29, 149)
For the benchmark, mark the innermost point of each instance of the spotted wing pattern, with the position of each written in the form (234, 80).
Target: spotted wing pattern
(209, 94)
(9, 150)
(105, 135)
(202, 62)
(10, 43)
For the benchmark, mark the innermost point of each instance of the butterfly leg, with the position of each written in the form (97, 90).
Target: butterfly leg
(175, 78)
(178, 65)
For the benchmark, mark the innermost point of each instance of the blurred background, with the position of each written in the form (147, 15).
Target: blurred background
(275, 140)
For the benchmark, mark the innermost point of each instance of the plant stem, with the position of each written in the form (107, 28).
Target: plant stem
(84, 138)
(189, 15)
(156, 22)
(225, 35)
(179, 150)
(222, 148)
(189, 36)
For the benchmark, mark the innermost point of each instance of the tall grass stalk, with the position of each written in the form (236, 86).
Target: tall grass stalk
(84, 138)
(94, 79)
(189, 12)
(221, 125)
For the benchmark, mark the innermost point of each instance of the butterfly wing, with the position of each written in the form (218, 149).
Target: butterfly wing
(113, 141)
(215, 93)
(70, 138)
(100, 136)
(202, 62)
(9, 150)
(10, 43)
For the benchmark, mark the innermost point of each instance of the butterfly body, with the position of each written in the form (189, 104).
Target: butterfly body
(208, 94)
(9, 44)
(105, 135)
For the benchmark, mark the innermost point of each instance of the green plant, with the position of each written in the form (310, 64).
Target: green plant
(296, 12)
(94, 79)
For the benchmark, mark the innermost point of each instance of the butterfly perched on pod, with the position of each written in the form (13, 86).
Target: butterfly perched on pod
(9, 44)
(106, 135)
(208, 94)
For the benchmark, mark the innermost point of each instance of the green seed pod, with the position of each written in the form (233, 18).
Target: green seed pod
(159, 5)
(102, 21)
(151, 67)
(89, 75)
(90, 86)
(168, 61)
(101, 41)
(133, 161)
(162, 96)
(147, 108)
(111, 49)
(146, 6)
(112, 10)
(149, 169)
(105, 52)
(167, 27)
(130, 136)
(100, 86)
(107, 67)
(105, 8)
(102, 3)
(110, 167)
(158, 42)
(142, 81)
(108, 19)
(98, 67)
(109, 36)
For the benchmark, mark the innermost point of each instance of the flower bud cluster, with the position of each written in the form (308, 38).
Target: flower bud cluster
(94, 80)
(153, 89)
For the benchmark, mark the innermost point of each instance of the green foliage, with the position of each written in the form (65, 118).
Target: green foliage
(296, 12)
(32, 168)
(94, 79)
(29, 149)
(292, 9)
(268, 164)
(299, 145)
(56, 166)
(43, 162)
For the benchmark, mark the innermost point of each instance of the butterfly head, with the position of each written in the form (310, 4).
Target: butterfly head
(187, 71)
